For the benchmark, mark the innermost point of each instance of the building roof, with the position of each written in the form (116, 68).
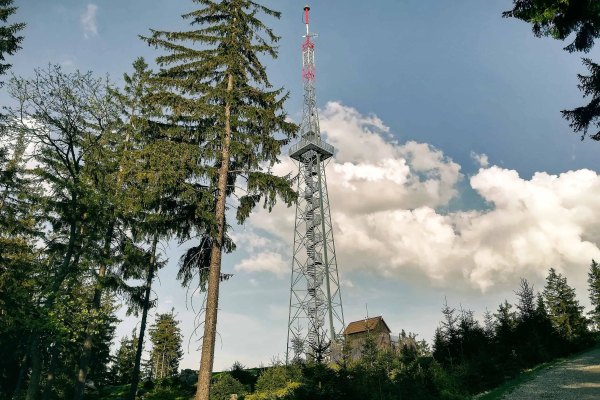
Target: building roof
(365, 325)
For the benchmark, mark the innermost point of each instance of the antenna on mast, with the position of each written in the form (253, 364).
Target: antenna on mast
(306, 11)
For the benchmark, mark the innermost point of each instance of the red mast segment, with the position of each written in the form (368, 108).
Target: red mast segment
(308, 51)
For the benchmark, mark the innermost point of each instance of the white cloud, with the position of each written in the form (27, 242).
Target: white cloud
(265, 261)
(88, 21)
(481, 159)
(346, 283)
(385, 198)
(249, 240)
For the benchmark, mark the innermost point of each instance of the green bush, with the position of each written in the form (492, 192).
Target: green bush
(224, 386)
(278, 377)
(167, 394)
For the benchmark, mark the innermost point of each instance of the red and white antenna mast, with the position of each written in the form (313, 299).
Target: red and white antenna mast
(310, 119)
(316, 317)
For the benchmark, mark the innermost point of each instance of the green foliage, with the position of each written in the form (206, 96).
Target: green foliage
(166, 338)
(278, 377)
(560, 19)
(66, 121)
(585, 117)
(245, 377)
(563, 308)
(217, 102)
(475, 358)
(594, 293)
(21, 266)
(9, 39)
(167, 394)
(224, 386)
(191, 90)
(288, 392)
(124, 360)
(369, 351)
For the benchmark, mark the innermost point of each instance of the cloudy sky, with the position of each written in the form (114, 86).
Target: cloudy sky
(454, 176)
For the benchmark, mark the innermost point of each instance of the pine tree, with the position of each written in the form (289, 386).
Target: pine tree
(526, 300)
(585, 118)
(146, 201)
(489, 325)
(506, 321)
(531, 329)
(369, 352)
(166, 352)
(547, 336)
(446, 345)
(125, 359)
(594, 291)
(18, 228)
(222, 104)
(450, 322)
(9, 41)
(561, 19)
(21, 261)
(563, 308)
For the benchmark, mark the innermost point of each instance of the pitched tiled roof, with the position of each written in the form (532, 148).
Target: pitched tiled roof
(364, 325)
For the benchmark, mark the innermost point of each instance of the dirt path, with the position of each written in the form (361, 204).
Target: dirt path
(575, 379)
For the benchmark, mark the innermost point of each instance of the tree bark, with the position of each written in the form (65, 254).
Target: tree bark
(51, 376)
(23, 368)
(33, 388)
(135, 375)
(88, 344)
(212, 297)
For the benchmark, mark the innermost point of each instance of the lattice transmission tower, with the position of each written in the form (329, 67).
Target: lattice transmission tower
(316, 317)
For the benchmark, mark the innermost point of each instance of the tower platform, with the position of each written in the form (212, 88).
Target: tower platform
(311, 143)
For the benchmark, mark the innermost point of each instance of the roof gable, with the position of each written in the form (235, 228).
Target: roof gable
(365, 325)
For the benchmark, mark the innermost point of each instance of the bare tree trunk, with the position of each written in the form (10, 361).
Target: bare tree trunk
(23, 368)
(135, 375)
(214, 276)
(50, 377)
(33, 388)
(88, 344)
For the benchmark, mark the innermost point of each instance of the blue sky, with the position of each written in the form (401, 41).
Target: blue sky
(413, 93)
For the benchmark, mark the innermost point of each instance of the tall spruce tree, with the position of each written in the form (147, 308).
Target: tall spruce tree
(124, 360)
(506, 321)
(165, 336)
(560, 19)
(563, 308)
(150, 189)
(531, 329)
(21, 265)
(19, 257)
(526, 300)
(220, 102)
(594, 292)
